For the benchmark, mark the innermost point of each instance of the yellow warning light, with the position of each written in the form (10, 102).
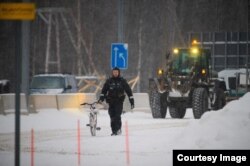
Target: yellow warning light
(176, 51)
(203, 71)
(194, 42)
(194, 50)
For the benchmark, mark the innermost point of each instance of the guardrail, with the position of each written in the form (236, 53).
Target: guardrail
(40, 102)
(7, 103)
(59, 101)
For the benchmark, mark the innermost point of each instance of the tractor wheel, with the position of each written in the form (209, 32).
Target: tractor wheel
(177, 112)
(158, 103)
(199, 102)
(220, 101)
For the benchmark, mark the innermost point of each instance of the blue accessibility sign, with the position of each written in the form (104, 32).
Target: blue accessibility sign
(119, 55)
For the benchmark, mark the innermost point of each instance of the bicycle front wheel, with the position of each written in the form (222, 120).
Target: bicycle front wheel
(93, 124)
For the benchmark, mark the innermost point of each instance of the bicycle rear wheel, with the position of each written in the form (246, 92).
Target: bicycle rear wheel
(93, 123)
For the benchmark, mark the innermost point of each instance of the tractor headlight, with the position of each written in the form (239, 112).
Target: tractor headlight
(176, 51)
(160, 72)
(203, 71)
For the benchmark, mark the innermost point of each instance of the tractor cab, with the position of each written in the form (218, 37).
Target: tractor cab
(190, 61)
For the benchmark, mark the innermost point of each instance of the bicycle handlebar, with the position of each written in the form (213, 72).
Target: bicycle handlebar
(92, 105)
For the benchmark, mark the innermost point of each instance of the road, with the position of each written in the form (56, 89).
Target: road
(147, 138)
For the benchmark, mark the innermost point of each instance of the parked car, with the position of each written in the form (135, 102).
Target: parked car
(53, 84)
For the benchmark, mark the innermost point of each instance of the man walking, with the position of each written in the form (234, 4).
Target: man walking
(114, 92)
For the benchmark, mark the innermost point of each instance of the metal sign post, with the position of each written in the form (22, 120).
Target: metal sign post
(18, 72)
(17, 12)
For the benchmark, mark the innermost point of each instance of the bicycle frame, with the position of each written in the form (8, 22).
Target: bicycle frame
(92, 118)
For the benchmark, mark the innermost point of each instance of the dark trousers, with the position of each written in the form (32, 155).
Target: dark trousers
(115, 111)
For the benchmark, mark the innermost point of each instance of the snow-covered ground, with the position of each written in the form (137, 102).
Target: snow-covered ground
(151, 141)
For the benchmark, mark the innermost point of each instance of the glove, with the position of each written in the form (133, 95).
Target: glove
(132, 102)
(101, 99)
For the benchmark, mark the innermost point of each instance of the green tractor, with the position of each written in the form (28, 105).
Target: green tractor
(187, 82)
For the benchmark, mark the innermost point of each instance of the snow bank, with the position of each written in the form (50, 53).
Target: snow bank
(224, 129)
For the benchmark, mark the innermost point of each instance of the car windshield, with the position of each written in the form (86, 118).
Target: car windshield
(47, 83)
(183, 61)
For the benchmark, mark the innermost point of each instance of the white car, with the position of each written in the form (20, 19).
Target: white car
(53, 84)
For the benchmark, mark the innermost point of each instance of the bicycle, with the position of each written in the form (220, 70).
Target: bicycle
(92, 118)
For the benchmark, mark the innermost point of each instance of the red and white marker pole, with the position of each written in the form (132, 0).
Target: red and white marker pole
(32, 150)
(78, 142)
(127, 144)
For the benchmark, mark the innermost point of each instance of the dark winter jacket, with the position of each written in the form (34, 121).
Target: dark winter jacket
(114, 89)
